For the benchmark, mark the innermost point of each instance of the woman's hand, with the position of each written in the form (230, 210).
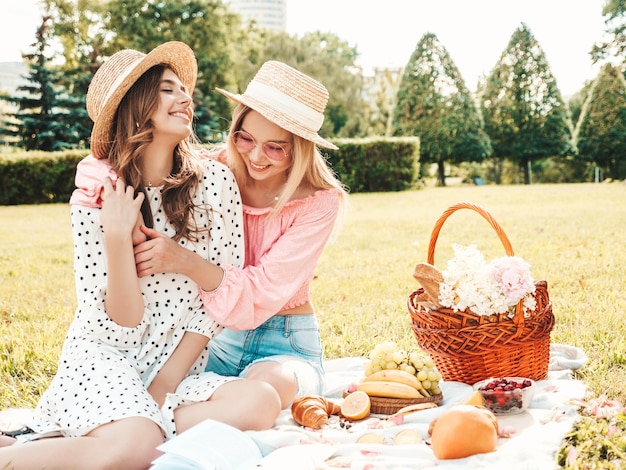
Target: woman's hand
(120, 208)
(160, 254)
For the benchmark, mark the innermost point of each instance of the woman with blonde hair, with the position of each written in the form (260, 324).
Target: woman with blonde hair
(292, 202)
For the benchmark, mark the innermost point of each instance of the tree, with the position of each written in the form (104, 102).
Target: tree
(91, 30)
(382, 91)
(43, 120)
(525, 115)
(614, 12)
(434, 103)
(601, 130)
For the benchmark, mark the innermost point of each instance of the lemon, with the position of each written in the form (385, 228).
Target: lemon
(407, 436)
(370, 438)
(356, 405)
(475, 399)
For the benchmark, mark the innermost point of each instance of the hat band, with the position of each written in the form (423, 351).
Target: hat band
(287, 105)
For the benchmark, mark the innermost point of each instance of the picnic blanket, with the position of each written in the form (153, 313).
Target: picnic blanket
(528, 440)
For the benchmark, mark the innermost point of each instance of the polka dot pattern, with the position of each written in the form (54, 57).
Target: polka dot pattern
(105, 368)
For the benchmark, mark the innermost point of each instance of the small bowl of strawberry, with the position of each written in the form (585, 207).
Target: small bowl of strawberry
(506, 395)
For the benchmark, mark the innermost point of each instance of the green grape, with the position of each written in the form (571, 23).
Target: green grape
(399, 356)
(432, 376)
(422, 375)
(391, 365)
(410, 369)
(426, 384)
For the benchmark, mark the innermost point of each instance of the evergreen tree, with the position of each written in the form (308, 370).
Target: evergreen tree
(42, 122)
(525, 115)
(434, 103)
(601, 130)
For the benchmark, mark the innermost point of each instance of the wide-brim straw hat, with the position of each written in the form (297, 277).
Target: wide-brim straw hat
(288, 98)
(119, 73)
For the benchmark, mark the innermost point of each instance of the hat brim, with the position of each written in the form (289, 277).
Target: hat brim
(175, 55)
(279, 119)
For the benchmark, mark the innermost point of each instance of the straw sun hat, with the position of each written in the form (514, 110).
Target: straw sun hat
(288, 98)
(119, 73)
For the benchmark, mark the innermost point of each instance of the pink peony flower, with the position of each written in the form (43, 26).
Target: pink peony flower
(512, 274)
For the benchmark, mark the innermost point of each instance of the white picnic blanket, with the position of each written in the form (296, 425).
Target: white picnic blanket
(533, 438)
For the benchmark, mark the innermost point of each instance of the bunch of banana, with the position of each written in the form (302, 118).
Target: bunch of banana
(392, 383)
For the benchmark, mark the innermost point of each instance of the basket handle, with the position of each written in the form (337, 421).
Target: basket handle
(518, 319)
(475, 207)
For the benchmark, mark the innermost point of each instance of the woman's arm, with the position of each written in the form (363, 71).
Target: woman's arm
(120, 208)
(177, 365)
(247, 298)
(161, 254)
(89, 180)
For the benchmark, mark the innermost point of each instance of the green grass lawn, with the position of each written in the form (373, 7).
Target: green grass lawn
(572, 235)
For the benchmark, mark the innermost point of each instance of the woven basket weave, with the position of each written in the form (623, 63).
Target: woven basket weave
(469, 348)
(389, 406)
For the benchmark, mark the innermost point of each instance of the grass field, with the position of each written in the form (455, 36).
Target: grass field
(572, 235)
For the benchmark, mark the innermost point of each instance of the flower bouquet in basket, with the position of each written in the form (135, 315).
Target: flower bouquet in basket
(480, 319)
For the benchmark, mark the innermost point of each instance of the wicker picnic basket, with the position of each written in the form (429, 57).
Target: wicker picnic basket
(469, 348)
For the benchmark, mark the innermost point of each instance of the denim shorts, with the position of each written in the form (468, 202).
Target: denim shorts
(292, 340)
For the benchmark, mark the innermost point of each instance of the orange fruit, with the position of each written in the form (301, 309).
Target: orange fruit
(356, 405)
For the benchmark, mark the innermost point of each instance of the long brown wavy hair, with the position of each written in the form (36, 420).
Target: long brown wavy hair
(132, 132)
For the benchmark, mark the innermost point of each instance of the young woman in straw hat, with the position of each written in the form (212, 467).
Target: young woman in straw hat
(131, 372)
(291, 203)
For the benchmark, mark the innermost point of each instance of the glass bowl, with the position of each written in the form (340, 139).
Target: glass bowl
(506, 395)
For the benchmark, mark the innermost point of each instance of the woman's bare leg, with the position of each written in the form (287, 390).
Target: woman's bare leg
(249, 405)
(129, 443)
(284, 381)
(6, 440)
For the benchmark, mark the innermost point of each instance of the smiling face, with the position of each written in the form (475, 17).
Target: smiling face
(174, 115)
(265, 134)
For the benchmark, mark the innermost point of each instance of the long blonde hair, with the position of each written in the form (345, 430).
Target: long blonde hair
(132, 132)
(308, 166)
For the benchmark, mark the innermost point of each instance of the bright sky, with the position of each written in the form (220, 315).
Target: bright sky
(385, 32)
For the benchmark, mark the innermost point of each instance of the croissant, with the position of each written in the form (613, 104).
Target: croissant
(313, 411)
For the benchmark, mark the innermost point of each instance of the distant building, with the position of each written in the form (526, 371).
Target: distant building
(270, 14)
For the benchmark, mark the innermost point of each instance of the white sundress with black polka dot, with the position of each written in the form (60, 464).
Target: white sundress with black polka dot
(105, 368)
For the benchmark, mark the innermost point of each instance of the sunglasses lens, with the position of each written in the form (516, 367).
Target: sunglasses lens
(244, 141)
(274, 151)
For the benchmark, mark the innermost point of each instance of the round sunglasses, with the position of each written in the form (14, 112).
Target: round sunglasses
(245, 143)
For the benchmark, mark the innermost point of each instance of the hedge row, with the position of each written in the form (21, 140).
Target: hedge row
(362, 165)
